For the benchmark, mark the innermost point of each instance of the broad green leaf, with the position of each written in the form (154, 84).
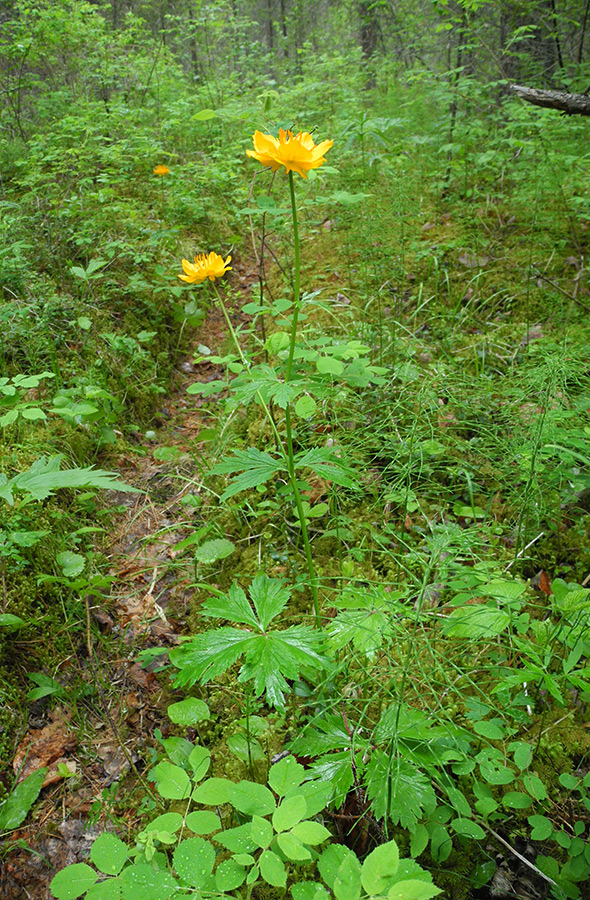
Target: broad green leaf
(213, 791)
(108, 853)
(71, 564)
(245, 749)
(204, 115)
(203, 821)
(188, 712)
(33, 413)
(238, 840)
(212, 551)
(309, 890)
(172, 782)
(252, 799)
(14, 810)
(305, 407)
(110, 889)
(229, 875)
(310, 833)
(523, 754)
(292, 847)
(199, 761)
(347, 884)
(489, 729)
(170, 822)
(379, 866)
(327, 365)
(516, 800)
(272, 869)
(145, 882)
(413, 890)
(542, 828)
(262, 833)
(84, 322)
(73, 881)
(285, 775)
(419, 840)
(291, 811)
(11, 622)
(193, 860)
(468, 828)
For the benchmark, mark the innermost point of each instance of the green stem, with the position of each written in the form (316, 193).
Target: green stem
(289, 432)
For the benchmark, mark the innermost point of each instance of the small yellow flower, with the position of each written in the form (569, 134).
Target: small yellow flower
(211, 267)
(297, 153)
(161, 170)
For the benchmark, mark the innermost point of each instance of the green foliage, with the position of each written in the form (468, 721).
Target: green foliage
(270, 655)
(259, 834)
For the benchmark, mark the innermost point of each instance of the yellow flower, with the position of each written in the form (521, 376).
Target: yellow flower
(296, 153)
(211, 267)
(161, 170)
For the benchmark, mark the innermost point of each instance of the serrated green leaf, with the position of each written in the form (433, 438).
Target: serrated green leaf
(229, 875)
(379, 866)
(474, 622)
(291, 811)
(261, 830)
(212, 551)
(272, 869)
(71, 564)
(213, 791)
(145, 882)
(292, 847)
(252, 799)
(257, 467)
(193, 860)
(310, 833)
(285, 775)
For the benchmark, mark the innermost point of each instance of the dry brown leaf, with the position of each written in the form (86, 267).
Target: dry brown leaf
(45, 747)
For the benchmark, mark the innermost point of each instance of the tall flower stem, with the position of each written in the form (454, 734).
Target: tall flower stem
(287, 452)
(288, 428)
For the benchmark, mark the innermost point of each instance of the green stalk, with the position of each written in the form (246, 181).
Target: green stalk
(288, 454)
(288, 371)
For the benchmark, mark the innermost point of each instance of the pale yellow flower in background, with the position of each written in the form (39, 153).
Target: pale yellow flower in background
(297, 153)
(161, 170)
(211, 267)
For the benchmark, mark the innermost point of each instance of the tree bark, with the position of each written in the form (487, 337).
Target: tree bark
(571, 104)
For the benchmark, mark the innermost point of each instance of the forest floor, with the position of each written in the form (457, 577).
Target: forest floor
(145, 611)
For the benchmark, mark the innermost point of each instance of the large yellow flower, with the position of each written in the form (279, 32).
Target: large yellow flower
(211, 267)
(161, 170)
(297, 153)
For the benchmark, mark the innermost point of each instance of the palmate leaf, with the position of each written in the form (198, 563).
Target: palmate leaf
(256, 466)
(324, 462)
(270, 658)
(46, 476)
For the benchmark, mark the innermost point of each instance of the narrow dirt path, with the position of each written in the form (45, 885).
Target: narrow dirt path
(101, 741)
